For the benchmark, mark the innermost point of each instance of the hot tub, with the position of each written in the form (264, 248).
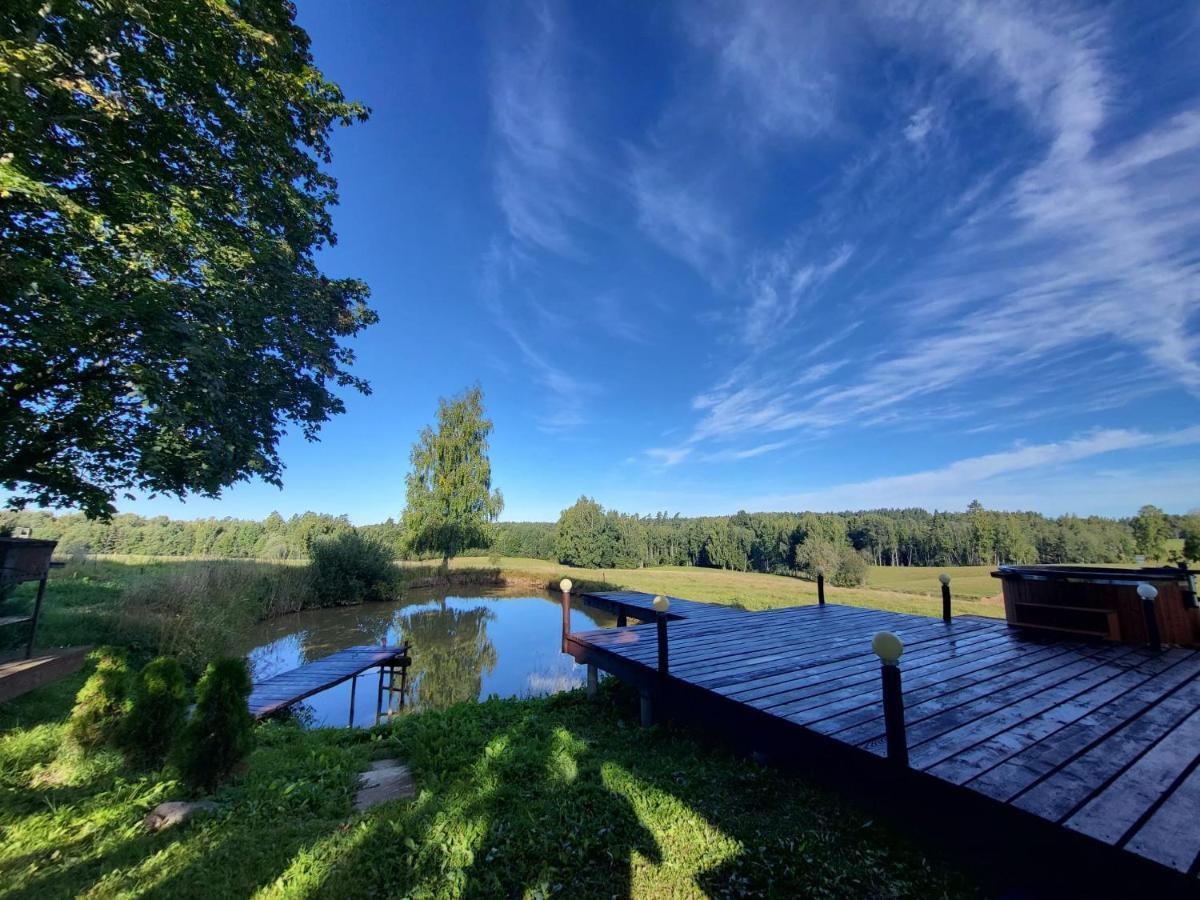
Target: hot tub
(1101, 602)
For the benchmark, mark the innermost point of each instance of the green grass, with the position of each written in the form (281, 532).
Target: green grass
(516, 798)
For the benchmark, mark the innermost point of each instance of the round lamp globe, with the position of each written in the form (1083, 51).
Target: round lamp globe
(888, 647)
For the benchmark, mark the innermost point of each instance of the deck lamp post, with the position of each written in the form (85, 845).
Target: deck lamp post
(1149, 593)
(820, 585)
(565, 586)
(944, 578)
(661, 605)
(889, 648)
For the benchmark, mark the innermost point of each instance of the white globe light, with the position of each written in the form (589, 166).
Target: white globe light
(888, 647)
(565, 585)
(661, 603)
(820, 570)
(944, 578)
(1147, 591)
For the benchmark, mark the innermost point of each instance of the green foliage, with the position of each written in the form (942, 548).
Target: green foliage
(1150, 532)
(160, 700)
(1190, 529)
(451, 504)
(585, 536)
(220, 732)
(163, 200)
(349, 568)
(102, 704)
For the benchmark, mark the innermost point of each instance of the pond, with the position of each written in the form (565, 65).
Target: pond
(503, 642)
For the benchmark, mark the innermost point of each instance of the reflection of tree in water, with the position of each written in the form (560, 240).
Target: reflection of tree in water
(451, 652)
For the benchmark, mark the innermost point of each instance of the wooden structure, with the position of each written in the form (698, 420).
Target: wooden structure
(277, 693)
(1089, 748)
(19, 676)
(1101, 602)
(25, 559)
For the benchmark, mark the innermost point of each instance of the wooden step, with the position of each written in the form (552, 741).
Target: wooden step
(20, 676)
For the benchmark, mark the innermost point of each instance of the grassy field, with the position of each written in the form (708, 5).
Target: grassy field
(911, 590)
(533, 798)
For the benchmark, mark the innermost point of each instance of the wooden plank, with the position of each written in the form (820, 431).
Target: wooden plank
(1040, 759)
(1170, 836)
(921, 684)
(23, 675)
(14, 620)
(969, 763)
(942, 742)
(965, 698)
(1057, 796)
(1114, 812)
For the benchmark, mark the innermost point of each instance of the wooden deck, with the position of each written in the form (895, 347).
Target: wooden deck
(1093, 742)
(281, 691)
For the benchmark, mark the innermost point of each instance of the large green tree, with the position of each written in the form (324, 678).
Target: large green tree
(1150, 531)
(451, 504)
(163, 320)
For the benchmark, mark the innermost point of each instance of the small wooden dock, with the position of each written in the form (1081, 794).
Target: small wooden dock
(281, 691)
(1082, 743)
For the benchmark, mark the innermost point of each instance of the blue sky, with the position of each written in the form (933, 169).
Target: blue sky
(704, 257)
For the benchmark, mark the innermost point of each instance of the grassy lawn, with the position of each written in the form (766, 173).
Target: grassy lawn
(914, 590)
(516, 798)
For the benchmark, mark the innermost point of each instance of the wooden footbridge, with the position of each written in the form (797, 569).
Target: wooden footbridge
(275, 694)
(1084, 746)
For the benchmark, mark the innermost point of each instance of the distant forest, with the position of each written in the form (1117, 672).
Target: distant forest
(843, 544)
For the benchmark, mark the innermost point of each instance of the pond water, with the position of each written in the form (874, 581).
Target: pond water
(501, 642)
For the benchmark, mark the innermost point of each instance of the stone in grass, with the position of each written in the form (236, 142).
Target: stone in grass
(386, 779)
(176, 812)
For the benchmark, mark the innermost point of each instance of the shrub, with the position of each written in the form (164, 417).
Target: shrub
(160, 699)
(851, 569)
(220, 732)
(348, 568)
(103, 702)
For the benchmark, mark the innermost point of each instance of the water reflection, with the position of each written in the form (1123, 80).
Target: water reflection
(454, 654)
(463, 648)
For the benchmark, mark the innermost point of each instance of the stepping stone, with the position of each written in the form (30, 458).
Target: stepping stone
(386, 779)
(176, 812)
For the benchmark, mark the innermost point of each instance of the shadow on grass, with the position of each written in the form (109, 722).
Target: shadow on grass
(534, 797)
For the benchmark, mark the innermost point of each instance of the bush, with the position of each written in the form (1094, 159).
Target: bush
(348, 568)
(160, 699)
(103, 702)
(851, 570)
(220, 733)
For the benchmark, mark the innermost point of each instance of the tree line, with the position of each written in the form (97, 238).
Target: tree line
(587, 534)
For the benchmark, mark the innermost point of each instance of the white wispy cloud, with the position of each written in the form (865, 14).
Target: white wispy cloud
(684, 217)
(956, 484)
(1085, 246)
(540, 155)
(779, 60)
(919, 125)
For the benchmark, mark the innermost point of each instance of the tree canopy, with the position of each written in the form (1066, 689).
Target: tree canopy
(163, 320)
(451, 505)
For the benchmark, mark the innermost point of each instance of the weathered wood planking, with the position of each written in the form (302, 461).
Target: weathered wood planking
(1091, 738)
(282, 690)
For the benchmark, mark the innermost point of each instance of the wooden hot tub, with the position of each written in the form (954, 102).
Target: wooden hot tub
(1102, 602)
